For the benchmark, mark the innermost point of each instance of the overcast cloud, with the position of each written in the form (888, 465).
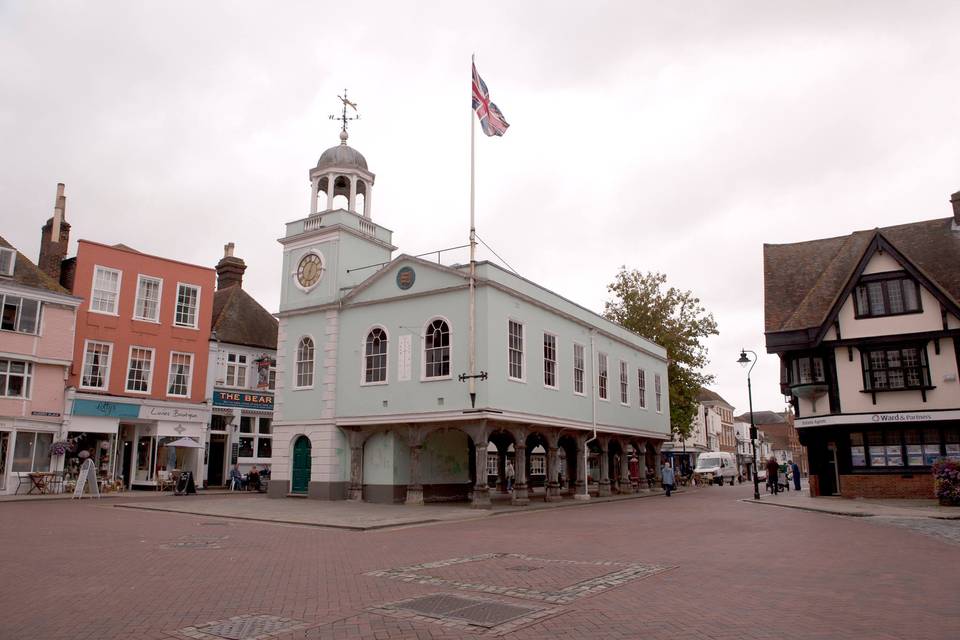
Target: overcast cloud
(676, 137)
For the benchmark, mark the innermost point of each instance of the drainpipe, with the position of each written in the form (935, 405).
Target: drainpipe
(593, 420)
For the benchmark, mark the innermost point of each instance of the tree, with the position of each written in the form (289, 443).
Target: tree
(675, 320)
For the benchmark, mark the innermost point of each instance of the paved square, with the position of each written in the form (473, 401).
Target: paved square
(90, 571)
(522, 576)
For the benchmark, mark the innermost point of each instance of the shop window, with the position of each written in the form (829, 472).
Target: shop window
(895, 368)
(885, 449)
(951, 438)
(264, 446)
(246, 424)
(19, 314)
(15, 378)
(31, 452)
(265, 426)
(886, 295)
(858, 455)
(236, 370)
(219, 423)
(538, 465)
(246, 448)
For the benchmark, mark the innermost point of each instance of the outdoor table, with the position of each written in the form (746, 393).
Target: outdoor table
(40, 481)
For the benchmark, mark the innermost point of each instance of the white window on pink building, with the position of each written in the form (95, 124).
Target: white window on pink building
(140, 370)
(178, 382)
(15, 378)
(147, 305)
(96, 365)
(188, 299)
(19, 314)
(106, 290)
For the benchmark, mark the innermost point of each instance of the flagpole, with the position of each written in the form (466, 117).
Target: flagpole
(473, 251)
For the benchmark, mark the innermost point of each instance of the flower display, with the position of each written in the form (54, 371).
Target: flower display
(62, 447)
(946, 481)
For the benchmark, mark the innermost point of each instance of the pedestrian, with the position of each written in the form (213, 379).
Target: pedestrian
(773, 470)
(511, 474)
(795, 470)
(666, 477)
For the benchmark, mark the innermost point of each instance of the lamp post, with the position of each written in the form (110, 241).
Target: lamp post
(744, 361)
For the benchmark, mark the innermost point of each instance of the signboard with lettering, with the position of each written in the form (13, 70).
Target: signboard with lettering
(404, 350)
(48, 414)
(896, 417)
(104, 409)
(243, 400)
(169, 413)
(234, 452)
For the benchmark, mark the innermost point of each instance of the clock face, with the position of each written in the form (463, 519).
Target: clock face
(309, 270)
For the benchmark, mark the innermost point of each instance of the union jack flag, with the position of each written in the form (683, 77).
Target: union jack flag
(491, 119)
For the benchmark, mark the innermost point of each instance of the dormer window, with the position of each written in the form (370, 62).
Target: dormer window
(8, 258)
(886, 294)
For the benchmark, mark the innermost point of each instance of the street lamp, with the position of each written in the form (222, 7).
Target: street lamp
(744, 361)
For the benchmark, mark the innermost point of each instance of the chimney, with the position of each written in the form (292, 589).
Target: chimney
(230, 269)
(54, 238)
(955, 201)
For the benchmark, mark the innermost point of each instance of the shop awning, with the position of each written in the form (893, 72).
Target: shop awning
(187, 443)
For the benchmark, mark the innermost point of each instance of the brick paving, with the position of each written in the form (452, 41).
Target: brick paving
(88, 570)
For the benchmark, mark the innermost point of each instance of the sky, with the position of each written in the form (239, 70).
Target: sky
(669, 137)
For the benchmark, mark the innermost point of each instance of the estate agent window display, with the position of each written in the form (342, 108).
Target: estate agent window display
(902, 448)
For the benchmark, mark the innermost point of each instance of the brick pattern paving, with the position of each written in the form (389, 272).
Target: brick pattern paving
(88, 571)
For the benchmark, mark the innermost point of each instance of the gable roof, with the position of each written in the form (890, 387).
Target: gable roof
(27, 274)
(389, 266)
(805, 281)
(706, 395)
(762, 418)
(239, 319)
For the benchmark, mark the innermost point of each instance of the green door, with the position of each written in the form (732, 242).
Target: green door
(301, 465)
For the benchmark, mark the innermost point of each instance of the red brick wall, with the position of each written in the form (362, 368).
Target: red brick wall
(887, 486)
(814, 485)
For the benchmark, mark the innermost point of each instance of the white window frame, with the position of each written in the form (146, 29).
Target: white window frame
(642, 388)
(363, 357)
(604, 373)
(153, 362)
(108, 368)
(538, 464)
(256, 437)
(523, 351)
(27, 376)
(658, 392)
(624, 383)
(170, 375)
(582, 369)
(136, 300)
(176, 306)
(93, 289)
(423, 349)
(12, 265)
(297, 361)
(556, 372)
(236, 365)
(495, 459)
(18, 319)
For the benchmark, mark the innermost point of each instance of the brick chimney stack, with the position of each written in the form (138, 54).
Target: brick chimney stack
(230, 269)
(54, 238)
(955, 201)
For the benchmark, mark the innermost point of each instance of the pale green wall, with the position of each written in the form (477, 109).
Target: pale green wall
(445, 458)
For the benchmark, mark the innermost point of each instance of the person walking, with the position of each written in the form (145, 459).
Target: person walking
(795, 471)
(773, 472)
(666, 477)
(511, 474)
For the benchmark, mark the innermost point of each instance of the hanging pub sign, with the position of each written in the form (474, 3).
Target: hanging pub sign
(264, 363)
(243, 400)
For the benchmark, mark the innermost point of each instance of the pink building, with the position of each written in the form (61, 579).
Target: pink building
(138, 378)
(36, 347)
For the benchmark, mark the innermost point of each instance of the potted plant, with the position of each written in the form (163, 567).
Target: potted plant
(946, 481)
(61, 447)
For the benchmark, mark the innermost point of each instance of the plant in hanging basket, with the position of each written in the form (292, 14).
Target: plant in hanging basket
(946, 481)
(62, 447)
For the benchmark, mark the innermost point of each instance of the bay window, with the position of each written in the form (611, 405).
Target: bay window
(895, 368)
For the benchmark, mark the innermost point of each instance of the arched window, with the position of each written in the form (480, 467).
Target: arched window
(436, 350)
(305, 362)
(375, 356)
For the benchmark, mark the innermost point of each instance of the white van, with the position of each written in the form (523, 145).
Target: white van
(717, 466)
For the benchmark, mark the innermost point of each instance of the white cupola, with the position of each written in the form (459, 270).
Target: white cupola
(341, 171)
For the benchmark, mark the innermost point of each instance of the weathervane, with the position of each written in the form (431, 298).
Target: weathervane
(343, 117)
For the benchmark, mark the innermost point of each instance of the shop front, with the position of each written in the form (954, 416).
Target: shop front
(240, 433)
(130, 442)
(24, 449)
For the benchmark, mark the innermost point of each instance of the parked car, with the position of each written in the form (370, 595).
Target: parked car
(717, 466)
